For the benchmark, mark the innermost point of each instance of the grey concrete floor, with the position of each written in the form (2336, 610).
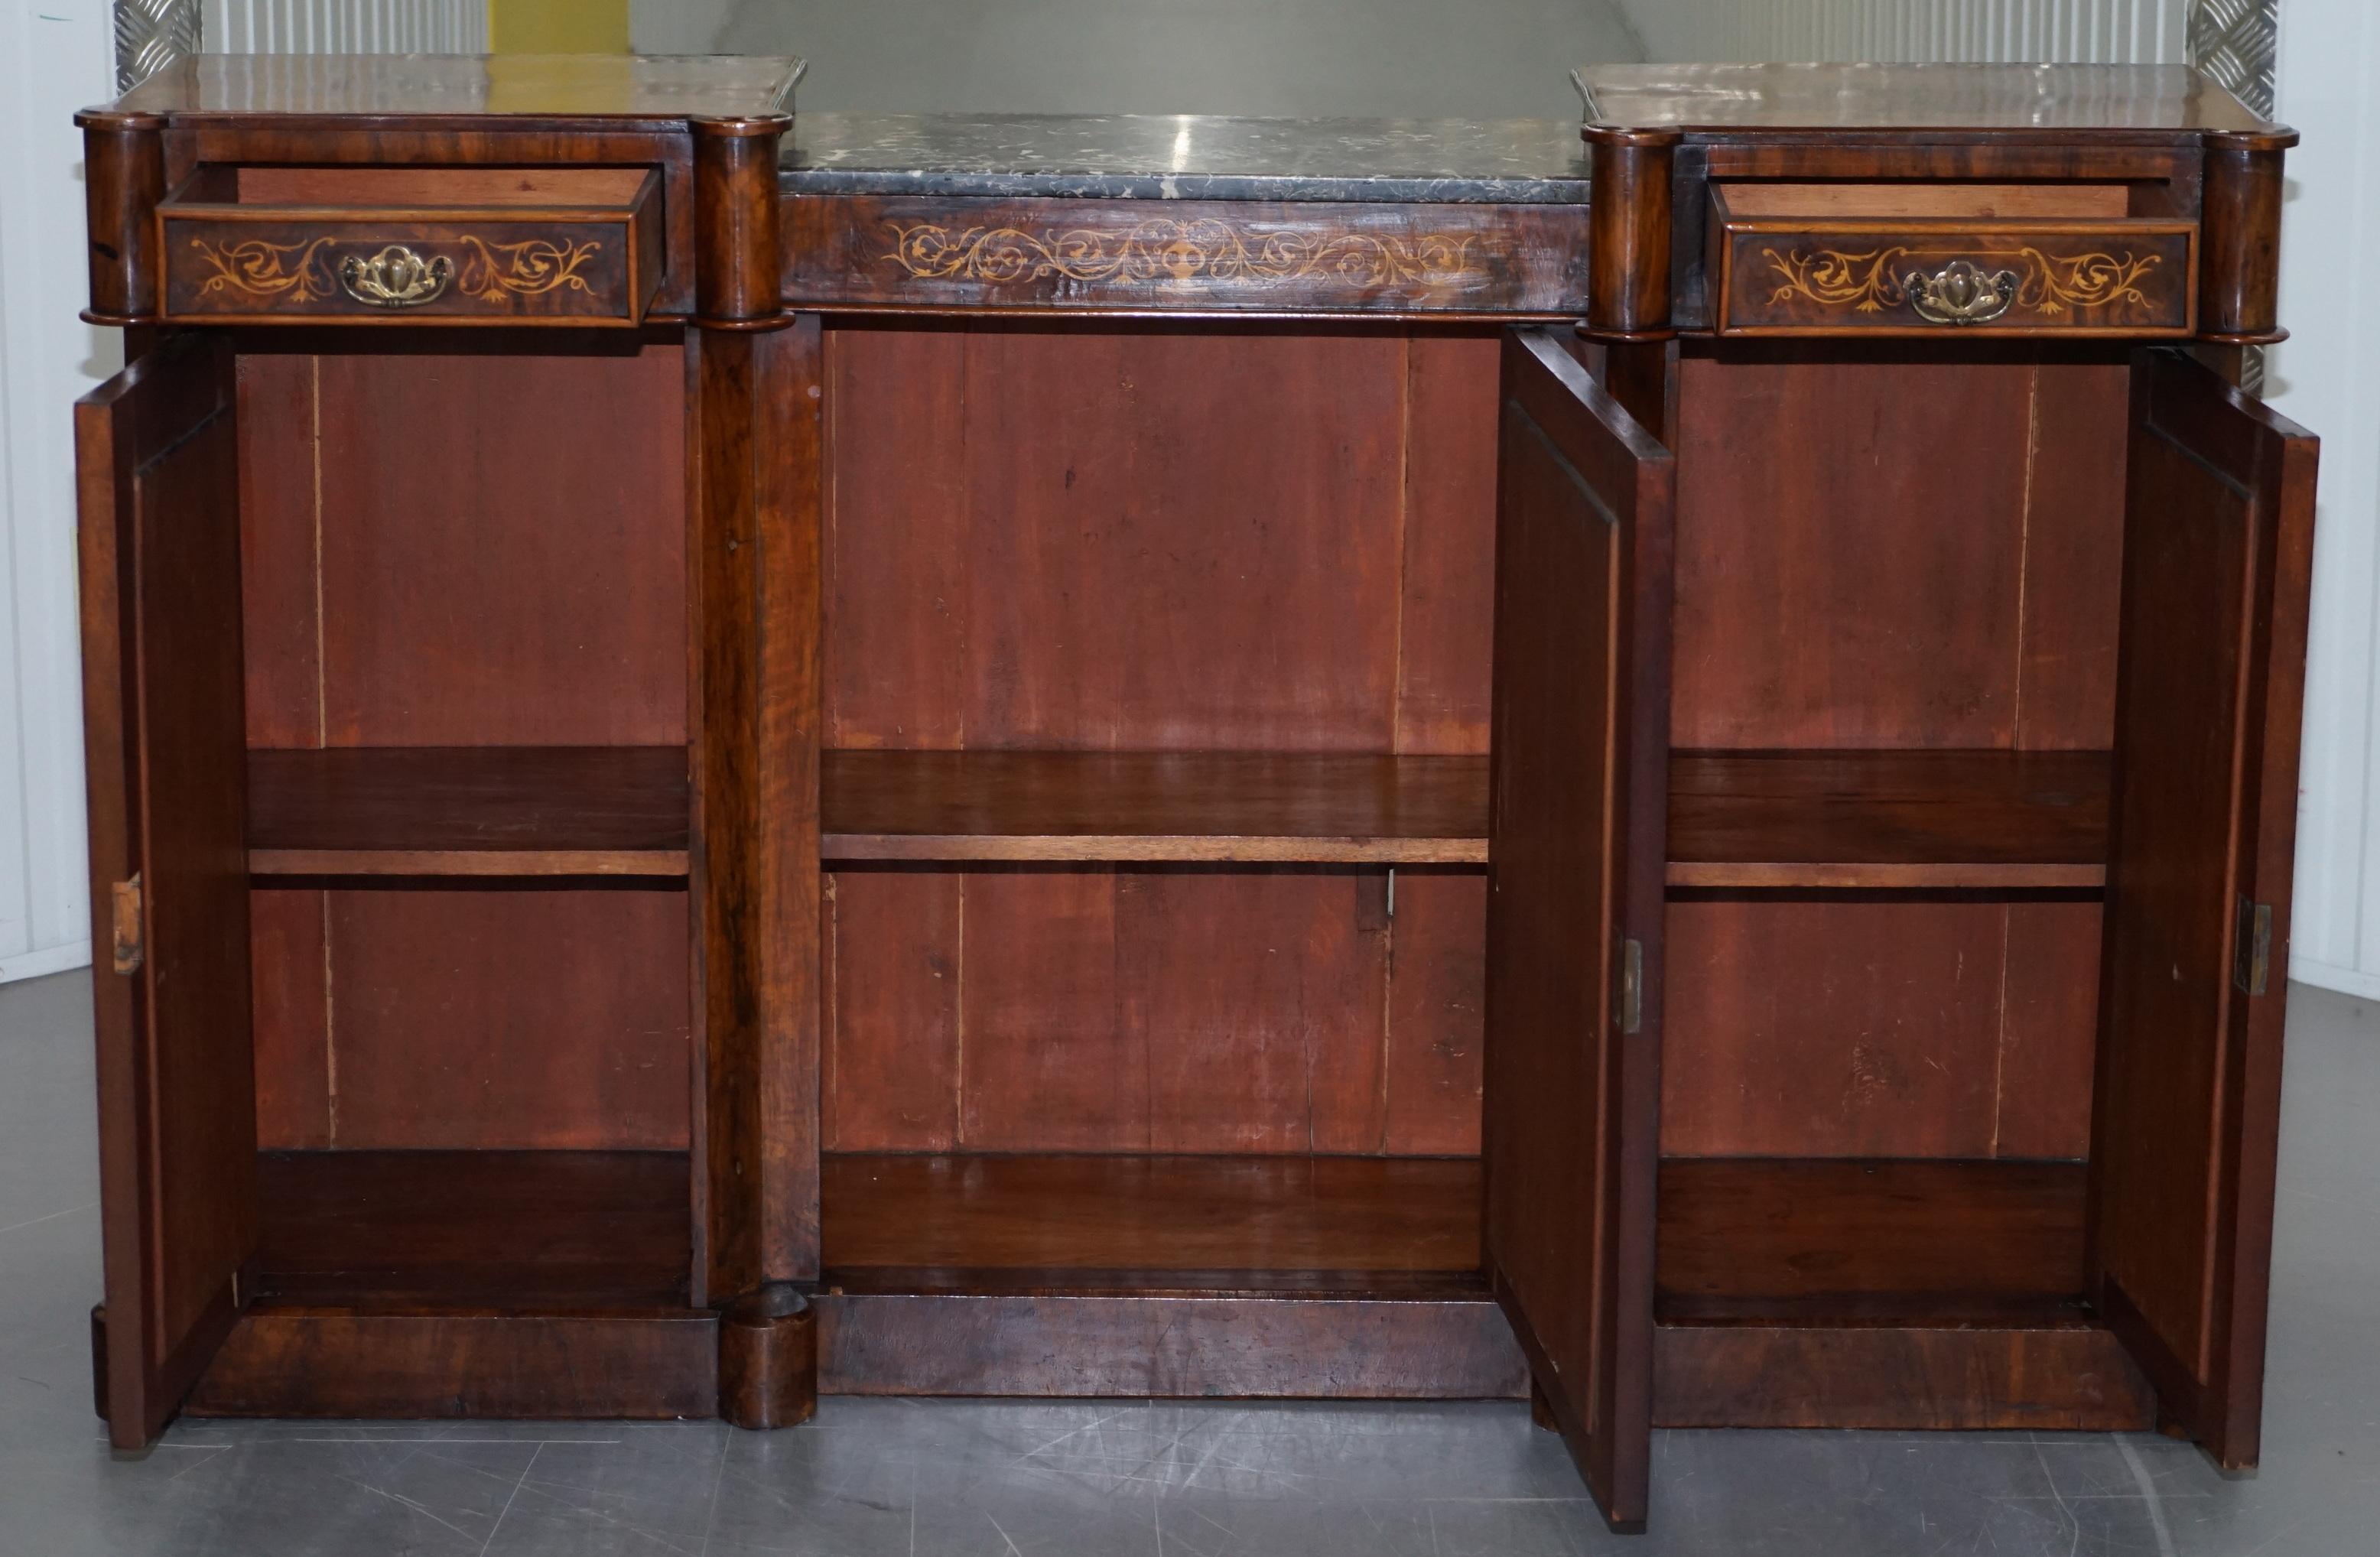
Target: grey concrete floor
(1161, 1477)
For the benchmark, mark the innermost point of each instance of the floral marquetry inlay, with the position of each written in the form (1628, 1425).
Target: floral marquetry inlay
(265, 272)
(1885, 278)
(1164, 250)
(495, 269)
(259, 271)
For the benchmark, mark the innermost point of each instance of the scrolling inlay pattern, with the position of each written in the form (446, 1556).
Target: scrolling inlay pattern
(1164, 250)
(1870, 283)
(524, 268)
(263, 272)
(267, 271)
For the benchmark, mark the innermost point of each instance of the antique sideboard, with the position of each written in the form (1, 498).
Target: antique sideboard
(735, 758)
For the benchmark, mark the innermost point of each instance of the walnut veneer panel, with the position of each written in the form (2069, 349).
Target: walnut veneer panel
(462, 246)
(935, 251)
(1821, 274)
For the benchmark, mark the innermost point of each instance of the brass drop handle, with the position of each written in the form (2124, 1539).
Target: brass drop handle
(395, 277)
(1961, 293)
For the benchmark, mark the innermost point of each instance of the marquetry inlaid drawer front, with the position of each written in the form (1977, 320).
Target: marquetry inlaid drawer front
(1254, 256)
(1784, 274)
(444, 246)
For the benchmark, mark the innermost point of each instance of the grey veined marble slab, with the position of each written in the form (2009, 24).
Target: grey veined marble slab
(1186, 156)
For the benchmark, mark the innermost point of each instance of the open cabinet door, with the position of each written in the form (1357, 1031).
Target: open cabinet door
(2218, 532)
(1576, 855)
(165, 744)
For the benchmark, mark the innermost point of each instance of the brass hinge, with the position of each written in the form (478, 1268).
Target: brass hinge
(2251, 949)
(1631, 985)
(129, 945)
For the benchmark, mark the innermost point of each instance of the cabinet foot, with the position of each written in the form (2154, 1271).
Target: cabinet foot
(1541, 1410)
(767, 1359)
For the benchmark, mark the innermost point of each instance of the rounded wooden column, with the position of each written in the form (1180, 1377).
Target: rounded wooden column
(767, 1359)
(2240, 237)
(737, 263)
(124, 177)
(1628, 232)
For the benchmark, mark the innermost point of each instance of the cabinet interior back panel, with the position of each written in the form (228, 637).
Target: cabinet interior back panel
(1852, 1028)
(1169, 1010)
(1092, 537)
(1144, 539)
(1885, 546)
(465, 550)
(472, 1020)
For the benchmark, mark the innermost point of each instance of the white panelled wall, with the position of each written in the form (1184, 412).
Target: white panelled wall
(2101, 32)
(55, 57)
(315, 26)
(2328, 376)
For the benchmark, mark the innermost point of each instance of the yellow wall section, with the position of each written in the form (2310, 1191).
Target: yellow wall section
(568, 27)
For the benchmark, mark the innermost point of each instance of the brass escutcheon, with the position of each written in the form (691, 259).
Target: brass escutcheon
(1961, 293)
(395, 277)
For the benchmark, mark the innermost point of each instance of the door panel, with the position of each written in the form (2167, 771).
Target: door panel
(165, 739)
(1575, 864)
(2218, 538)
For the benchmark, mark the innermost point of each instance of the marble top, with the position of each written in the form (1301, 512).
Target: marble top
(537, 86)
(2172, 98)
(1186, 156)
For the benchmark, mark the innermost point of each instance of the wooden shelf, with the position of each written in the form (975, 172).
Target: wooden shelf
(1883, 819)
(1887, 1293)
(1877, 819)
(1326, 808)
(1150, 1222)
(468, 811)
(509, 1228)
(1987, 820)
(1867, 1239)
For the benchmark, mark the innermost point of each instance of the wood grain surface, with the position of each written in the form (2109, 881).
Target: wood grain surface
(1149, 1213)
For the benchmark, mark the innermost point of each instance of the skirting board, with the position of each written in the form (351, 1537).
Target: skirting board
(44, 962)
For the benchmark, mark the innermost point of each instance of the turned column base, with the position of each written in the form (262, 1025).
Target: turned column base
(767, 1359)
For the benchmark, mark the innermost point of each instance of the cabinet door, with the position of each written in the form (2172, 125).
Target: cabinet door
(1576, 847)
(165, 739)
(2218, 531)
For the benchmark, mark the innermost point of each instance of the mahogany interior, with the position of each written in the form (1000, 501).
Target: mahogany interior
(1262, 558)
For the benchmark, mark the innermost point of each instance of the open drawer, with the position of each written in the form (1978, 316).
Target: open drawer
(1916, 259)
(377, 244)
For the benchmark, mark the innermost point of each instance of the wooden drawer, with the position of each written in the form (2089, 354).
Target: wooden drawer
(389, 245)
(1920, 259)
